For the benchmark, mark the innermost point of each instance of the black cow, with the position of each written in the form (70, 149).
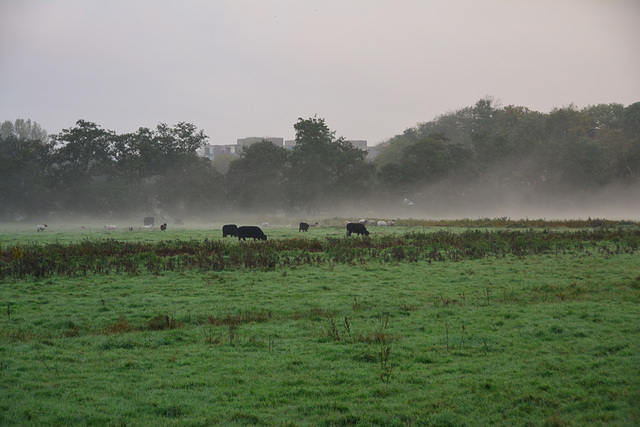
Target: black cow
(303, 227)
(230, 230)
(163, 227)
(250, 231)
(149, 220)
(359, 229)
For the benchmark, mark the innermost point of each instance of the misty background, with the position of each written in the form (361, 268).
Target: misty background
(492, 108)
(370, 68)
(484, 160)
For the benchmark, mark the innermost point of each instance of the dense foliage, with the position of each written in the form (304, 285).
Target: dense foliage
(103, 257)
(513, 149)
(457, 158)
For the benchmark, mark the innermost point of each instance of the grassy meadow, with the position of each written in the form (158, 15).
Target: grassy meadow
(486, 322)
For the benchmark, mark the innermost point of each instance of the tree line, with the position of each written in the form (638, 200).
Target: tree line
(92, 171)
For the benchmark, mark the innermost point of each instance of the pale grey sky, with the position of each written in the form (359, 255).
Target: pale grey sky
(371, 69)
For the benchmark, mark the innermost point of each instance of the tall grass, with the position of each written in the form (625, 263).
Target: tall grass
(112, 256)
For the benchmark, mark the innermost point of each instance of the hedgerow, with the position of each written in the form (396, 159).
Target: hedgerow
(113, 256)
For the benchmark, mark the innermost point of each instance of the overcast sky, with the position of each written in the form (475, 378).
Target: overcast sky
(371, 69)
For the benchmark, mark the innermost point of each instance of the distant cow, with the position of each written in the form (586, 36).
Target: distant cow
(163, 227)
(111, 227)
(149, 220)
(382, 223)
(250, 231)
(230, 230)
(41, 227)
(303, 227)
(357, 228)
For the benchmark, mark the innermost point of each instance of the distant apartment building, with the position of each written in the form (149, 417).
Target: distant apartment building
(211, 151)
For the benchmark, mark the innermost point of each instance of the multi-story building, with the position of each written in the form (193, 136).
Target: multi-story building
(211, 151)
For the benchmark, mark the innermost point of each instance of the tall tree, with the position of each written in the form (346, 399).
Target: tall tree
(325, 169)
(175, 165)
(83, 165)
(25, 130)
(256, 180)
(24, 183)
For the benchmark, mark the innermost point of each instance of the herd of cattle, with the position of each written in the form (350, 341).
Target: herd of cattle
(252, 231)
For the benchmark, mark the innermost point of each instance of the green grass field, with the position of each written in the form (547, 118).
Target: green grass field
(416, 325)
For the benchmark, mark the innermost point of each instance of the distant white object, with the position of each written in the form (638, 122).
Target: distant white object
(407, 202)
(148, 227)
(111, 227)
(363, 221)
(382, 223)
(41, 227)
(392, 223)
(265, 224)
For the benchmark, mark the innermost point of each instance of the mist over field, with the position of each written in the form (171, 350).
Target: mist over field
(482, 161)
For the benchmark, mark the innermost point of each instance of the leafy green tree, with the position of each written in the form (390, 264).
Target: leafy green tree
(568, 153)
(325, 169)
(138, 156)
(83, 164)
(568, 123)
(605, 116)
(23, 129)
(630, 121)
(222, 162)
(629, 162)
(257, 179)
(615, 148)
(173, 160)
(100, 173)
(200, 191)
(391, 150)
(24, 183)
(428, 159)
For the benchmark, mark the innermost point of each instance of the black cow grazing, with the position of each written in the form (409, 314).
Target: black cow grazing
(303, 227)
(355, 227)
(163, 227)
(250, 231)
(149, 220)
(230, 230)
